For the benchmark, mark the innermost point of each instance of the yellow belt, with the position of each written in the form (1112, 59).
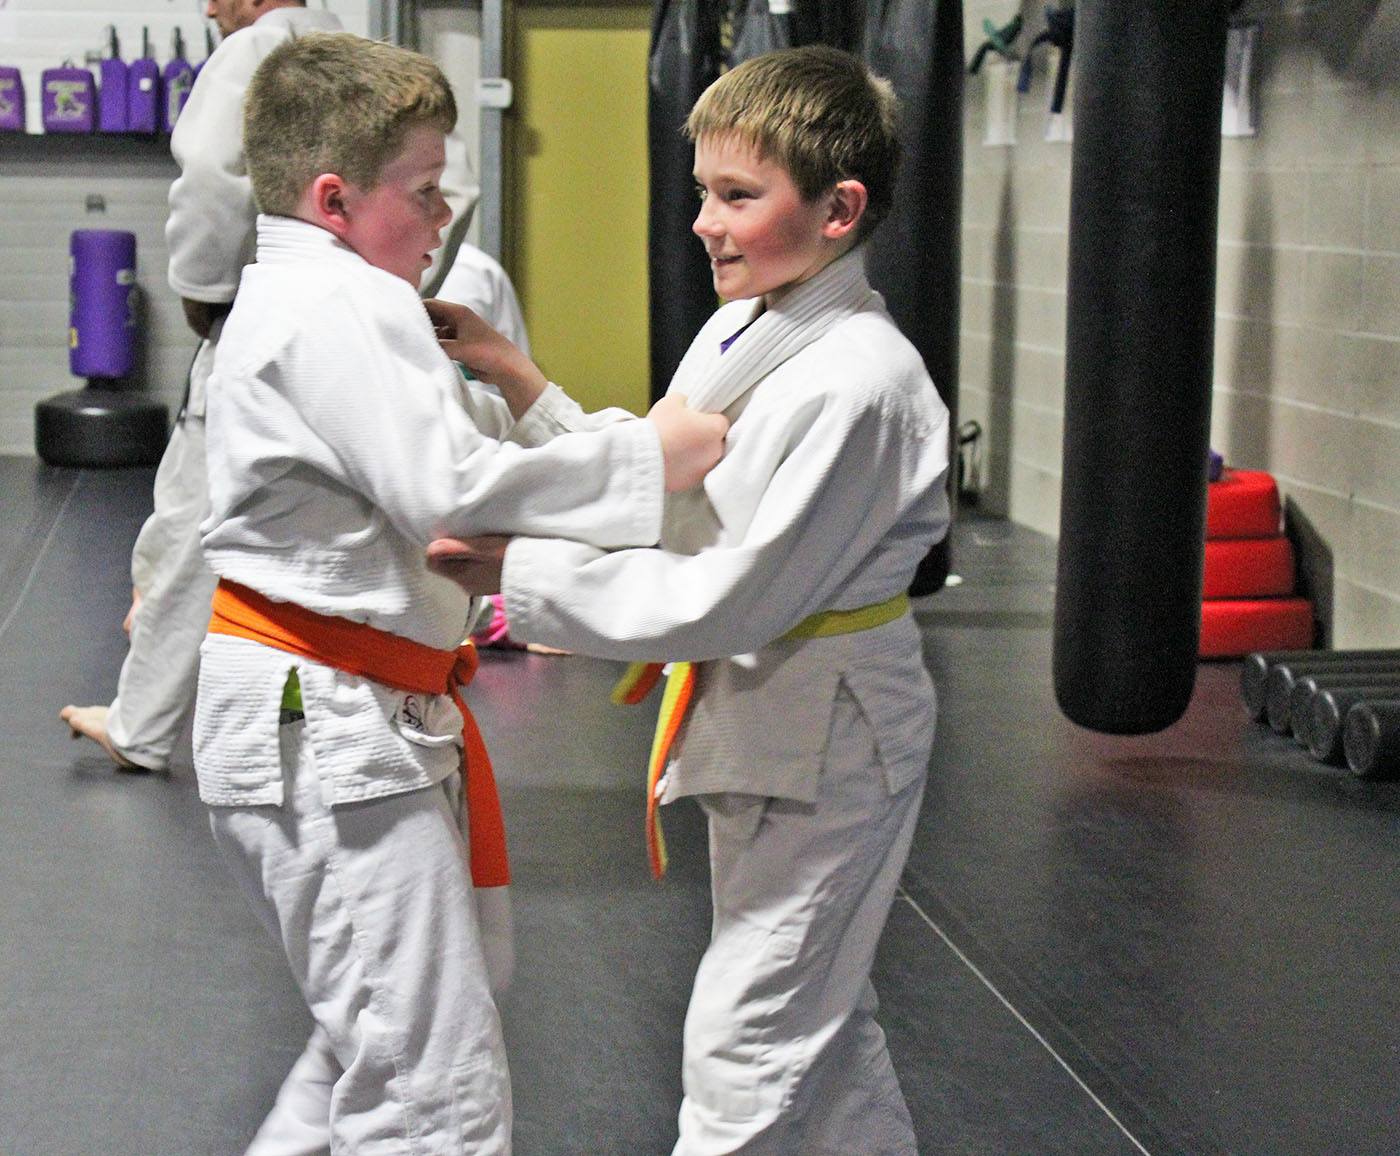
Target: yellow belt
(641, 677)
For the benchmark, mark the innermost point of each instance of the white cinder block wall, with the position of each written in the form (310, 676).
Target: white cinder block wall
(51, 185)
(1307, 353)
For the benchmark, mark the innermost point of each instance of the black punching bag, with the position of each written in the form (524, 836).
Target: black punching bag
(1142, 237)
(839, 23)
(915, 254)
(692, 41)
(751, 29)
(684, 59)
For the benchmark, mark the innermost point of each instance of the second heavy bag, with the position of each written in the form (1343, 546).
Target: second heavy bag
(915, 254)
(684, 59)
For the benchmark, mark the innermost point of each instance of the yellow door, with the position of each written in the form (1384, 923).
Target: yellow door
(577, 183)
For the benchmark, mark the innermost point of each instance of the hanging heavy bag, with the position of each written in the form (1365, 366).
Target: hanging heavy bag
(11, 99)
(143, 90)
(683, 60)
(177, 79)
(68, 99)
(752, 27)
(111, 89)
(1145, 176)
(915, 254)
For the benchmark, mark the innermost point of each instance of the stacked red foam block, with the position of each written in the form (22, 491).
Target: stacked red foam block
(1249, 601)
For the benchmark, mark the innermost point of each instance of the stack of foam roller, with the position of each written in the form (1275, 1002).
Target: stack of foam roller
(1341, 706)
(1248, 594)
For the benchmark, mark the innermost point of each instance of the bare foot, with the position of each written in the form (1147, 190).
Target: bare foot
(91, 722)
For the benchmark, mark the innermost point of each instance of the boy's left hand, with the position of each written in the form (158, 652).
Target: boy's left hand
(473, 563)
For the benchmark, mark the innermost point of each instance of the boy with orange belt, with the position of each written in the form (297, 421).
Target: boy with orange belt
(811, 715)
(329, 725)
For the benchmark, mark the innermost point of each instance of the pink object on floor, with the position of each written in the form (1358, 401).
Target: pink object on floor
(495, 631)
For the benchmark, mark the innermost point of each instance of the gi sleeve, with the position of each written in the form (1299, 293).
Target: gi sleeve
(376, 393)
(210, 230)
(816, 493)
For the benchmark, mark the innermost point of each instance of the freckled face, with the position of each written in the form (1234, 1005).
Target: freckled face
(760, 235)
(396, 224)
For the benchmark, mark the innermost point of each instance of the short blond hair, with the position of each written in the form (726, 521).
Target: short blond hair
(815, 110)
(332, 102)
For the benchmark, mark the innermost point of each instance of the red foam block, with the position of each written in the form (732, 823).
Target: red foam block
(1248, 567)
(1243, 504)
(1231, 628)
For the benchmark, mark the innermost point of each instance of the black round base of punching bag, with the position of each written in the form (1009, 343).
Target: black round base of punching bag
(94, 428)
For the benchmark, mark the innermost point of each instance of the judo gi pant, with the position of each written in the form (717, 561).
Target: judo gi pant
(782, 1054)
(373, 903)
(156, 687)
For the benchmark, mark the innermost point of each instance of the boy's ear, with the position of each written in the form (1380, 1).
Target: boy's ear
(326, 203)
(848, 201)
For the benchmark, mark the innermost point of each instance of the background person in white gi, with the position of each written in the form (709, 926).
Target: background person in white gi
(786, 574)
(210, 232)
(340, 440)
(210, 236)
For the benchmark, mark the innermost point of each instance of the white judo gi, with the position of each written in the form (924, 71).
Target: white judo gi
(808, 757)
(210, 236)
(340, 442)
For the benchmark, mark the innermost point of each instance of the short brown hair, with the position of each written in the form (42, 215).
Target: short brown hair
(815, 110)
(332, 102)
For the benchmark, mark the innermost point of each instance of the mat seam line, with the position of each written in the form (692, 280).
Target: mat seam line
(1021, 1019)
(39, 559)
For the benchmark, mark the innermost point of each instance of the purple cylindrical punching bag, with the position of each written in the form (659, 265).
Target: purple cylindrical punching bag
(1144, 188)
(102, 306)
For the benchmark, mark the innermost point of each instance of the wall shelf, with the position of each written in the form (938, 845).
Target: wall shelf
(71, 146)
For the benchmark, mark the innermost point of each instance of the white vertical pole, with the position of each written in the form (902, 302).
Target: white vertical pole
(490, 213)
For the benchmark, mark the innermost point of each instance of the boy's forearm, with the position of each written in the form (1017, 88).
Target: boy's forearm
(520, 386)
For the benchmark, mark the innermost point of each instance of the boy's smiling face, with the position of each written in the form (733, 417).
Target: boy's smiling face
(760, 235)
(396, 224)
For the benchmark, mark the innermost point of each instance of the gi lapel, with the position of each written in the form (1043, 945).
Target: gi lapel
(712, 381)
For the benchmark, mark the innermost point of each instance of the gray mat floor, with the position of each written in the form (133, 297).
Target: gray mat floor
(1182, 944)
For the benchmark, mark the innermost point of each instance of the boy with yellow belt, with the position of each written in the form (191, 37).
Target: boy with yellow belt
(329, 726)
(811, 714)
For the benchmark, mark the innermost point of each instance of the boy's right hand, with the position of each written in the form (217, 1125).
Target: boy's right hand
(692, 443)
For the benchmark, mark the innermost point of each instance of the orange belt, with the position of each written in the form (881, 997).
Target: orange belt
(396, 662)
